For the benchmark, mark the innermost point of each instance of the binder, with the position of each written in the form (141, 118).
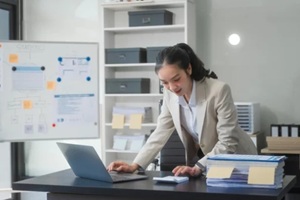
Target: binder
(275, 130)
(295, 130)
(233, 170)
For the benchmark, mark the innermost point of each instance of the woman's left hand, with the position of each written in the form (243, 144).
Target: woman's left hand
(186, 170)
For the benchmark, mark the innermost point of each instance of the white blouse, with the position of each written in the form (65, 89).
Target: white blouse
(188, 114)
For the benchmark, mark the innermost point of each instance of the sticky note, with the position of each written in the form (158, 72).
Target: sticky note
(261, 175)
(135, 121)
(51, 85)
(13, 58)
(27, 104)
(118, 121)
(219, 172)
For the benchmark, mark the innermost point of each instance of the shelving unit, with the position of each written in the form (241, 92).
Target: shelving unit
(116, 33)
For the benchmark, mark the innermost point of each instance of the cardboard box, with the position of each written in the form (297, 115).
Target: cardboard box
(283, 143)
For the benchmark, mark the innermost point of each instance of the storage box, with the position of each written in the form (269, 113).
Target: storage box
(150, 18)
(161, 88)
(283, 143)
(125, 55)
(248, 114)
(152, 53)
(127, 85)
(259, 139)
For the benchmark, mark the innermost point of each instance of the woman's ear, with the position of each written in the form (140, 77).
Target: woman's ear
(189, 69)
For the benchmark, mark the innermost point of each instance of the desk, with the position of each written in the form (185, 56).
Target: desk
(6, 193)
(268, 151)
(292, 164)
(64, 185)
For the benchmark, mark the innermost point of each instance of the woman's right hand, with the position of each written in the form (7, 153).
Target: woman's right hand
(121, 166)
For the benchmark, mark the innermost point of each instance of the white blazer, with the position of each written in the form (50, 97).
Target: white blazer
(217, 125)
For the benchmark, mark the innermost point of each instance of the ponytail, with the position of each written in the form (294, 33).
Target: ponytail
(183, 55)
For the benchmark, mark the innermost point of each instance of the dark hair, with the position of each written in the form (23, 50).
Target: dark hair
(182, 55)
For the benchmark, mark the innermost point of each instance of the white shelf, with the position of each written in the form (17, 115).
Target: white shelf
(130, 65)
(120, 151)
(143, 125)
(116, 33)
(133, 95)
(152, 4)
(144, 28)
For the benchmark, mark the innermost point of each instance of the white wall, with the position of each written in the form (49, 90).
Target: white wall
(5, 156)
(57, 20)
(265, 66)
(65, 20)
(5, 169)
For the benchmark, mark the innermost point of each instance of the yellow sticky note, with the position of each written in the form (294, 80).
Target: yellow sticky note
(51, 85)
(135, 121)
(118, 121)
(261, 175)
(219, 172)
(27, 104)
(13, 58)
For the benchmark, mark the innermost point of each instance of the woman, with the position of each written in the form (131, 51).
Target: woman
(199, 107)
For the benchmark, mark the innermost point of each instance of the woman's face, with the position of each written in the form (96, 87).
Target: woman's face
(176, 79)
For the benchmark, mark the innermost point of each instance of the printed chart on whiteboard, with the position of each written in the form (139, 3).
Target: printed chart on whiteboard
(48, 90)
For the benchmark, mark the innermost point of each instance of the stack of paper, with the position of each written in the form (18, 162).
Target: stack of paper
(129, 142)
(127, 111)
(171, 179)
(233, 170)
(248, 114)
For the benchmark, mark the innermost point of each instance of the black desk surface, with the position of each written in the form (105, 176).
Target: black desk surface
(66, 182)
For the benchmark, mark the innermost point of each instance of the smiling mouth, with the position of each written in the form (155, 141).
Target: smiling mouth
(178, 91)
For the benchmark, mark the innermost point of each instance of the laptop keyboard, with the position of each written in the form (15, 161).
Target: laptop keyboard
(117, 177)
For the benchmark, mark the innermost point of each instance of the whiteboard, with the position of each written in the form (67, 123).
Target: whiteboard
(48, 90)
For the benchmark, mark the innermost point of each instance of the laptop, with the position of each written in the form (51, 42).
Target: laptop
(86, 163)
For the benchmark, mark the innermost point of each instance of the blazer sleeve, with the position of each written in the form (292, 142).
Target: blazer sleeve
(226, 127)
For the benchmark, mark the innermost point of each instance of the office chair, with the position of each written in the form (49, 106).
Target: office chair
(172, 154)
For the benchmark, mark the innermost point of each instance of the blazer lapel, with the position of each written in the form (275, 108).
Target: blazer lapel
(174, 105)
(201, 106)
(175, 109)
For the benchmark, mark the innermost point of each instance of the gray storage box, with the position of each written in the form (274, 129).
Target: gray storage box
(161, 88)
(127, 85)
(150, 18)
(125, 55)
(152, 53)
